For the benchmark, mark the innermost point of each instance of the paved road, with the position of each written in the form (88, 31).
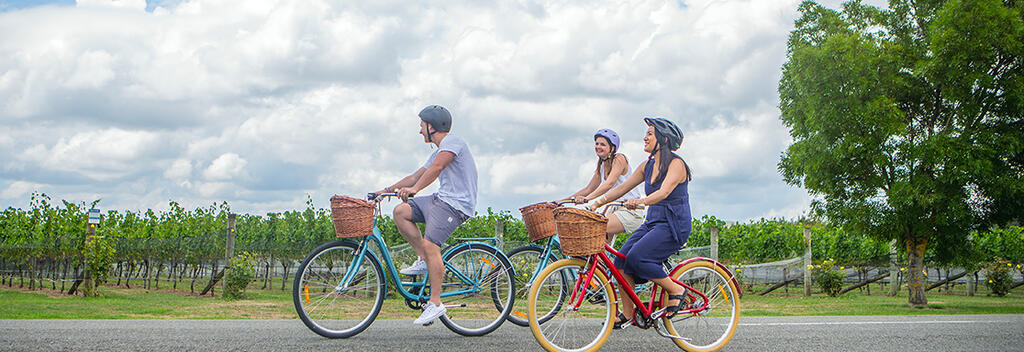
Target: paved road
(900, 333)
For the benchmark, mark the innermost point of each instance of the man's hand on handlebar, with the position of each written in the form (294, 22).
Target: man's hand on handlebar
(405, 192)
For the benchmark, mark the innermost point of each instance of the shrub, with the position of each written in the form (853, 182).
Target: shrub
(99, 254)
(998, 277)
(828, 278)
(238, 275)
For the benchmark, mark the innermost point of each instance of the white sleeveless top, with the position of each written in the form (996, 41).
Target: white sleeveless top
(633, 193)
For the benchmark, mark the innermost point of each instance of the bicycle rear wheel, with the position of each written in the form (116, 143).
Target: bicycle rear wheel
(480, 278)
(525, 260)
(330, 310)
(711, 328)
(569, 328)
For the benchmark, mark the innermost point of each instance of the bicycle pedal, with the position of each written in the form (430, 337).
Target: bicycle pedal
(455, 306)
(657, 315)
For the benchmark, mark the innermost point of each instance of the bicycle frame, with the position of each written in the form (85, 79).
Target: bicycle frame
(546, 251)
(601, 261)
(378, 239)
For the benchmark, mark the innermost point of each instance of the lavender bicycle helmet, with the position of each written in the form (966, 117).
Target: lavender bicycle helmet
(612, 137)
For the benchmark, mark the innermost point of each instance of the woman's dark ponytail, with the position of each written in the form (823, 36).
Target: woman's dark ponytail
(666, 159)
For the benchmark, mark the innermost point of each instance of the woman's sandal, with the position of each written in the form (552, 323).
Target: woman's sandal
(619, 321)
(671, 311)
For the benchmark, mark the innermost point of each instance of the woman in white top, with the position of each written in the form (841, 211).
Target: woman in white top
(612, 169)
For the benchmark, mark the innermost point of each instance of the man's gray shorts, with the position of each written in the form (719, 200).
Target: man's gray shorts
(440, 219)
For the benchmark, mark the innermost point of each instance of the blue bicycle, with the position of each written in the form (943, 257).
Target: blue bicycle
(340, 287)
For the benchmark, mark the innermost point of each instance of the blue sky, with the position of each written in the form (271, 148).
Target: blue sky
(261, 103)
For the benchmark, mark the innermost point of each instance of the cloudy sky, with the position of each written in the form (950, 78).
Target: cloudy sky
(261, 103)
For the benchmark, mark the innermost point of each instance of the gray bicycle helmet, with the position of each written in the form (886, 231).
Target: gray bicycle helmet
(438, 117)
(668, 129)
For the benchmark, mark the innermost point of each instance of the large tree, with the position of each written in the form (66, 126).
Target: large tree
(907, 120)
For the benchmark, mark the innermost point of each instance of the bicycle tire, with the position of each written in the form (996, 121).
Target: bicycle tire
(524, 262)
(584, 329)
(714, 327)
(330, 313)
(490, 272)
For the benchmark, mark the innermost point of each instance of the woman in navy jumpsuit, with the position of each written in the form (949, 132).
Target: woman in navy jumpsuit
(665, 176)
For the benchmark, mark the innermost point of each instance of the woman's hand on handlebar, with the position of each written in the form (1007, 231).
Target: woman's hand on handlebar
(634, 203)
(579, 199)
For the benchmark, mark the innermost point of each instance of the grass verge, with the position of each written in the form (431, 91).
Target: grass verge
(121, 303)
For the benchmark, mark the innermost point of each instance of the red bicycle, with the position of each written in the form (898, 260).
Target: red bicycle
(569, 310)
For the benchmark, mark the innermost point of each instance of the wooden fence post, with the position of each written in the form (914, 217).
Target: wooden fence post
(229, 247)
(500, 233)
(971, 283)
(90, 284)
(894, 277)
(807, 262)
(714, 243)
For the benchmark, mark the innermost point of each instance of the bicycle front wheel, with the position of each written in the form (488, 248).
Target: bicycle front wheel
(525, 261)
(327, 305)
(569, 328)
(712, 327)
(479, 285)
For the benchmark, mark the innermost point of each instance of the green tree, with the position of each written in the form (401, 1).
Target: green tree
(907, 121)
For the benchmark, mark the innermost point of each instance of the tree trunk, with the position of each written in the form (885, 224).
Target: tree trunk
(916, 283)
(64, 276)
(266, 275)
(284, 275)
(868, 287)
(78, 281)
(156, 279)
(128, 276)
(195, 274)
(53, 274)
(174, 279)
(31, 274)
(145, 274)
(864, 282)
(946, 281)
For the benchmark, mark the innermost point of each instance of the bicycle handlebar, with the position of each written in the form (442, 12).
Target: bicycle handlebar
(372, 195)
(618, 203)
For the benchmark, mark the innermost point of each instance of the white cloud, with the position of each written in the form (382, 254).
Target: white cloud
(94, 70)
(119, 4)
(99, 155)
(225, 167)
(260, 103)
(181, 169)
(19, 189)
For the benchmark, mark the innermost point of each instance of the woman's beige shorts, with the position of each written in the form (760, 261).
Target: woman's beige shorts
(631, 219)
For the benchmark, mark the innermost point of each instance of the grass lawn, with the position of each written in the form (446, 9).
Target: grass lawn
(122, 303)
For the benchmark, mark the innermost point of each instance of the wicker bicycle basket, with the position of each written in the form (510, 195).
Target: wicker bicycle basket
(539, 220)
(581, 232)
(353, 217)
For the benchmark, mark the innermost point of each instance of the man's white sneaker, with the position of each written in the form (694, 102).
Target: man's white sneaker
(419, 267)
(430, 312)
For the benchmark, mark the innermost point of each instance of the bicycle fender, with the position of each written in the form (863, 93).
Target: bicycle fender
(732, 276)
(456, 246)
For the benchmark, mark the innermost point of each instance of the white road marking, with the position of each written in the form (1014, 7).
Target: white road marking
(882, 322)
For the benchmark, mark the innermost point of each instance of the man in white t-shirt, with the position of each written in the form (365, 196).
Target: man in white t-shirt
(441, 212)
